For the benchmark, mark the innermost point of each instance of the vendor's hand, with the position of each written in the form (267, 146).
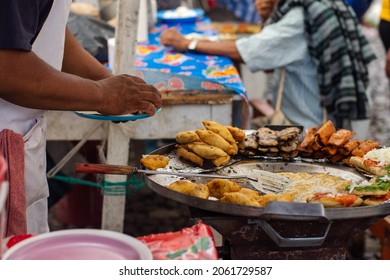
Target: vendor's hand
(125, 94)
(173, 38)
(388, 64)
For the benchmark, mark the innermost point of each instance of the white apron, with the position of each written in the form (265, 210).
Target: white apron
(49, 46)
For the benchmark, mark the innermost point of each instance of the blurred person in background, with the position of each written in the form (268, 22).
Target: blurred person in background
(384, 31)
(44, 68)
(322, 71)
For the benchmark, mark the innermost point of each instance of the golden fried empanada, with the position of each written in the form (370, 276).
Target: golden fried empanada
(286, 197)
(206, 151)
(188, 155)
(237, 133)
(186, 137)
(239, 198)
(251, 193)
(221, 161)
(219, 129)
(214, 139)
(189, 188)
(218, 187)
(153, 162)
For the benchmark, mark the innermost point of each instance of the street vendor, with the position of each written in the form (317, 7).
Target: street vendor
(43, 67)
(322, 71)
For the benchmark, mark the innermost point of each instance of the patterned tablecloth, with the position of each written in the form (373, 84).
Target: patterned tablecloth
(170, 70)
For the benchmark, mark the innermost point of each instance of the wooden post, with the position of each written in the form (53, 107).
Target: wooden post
(118, 142)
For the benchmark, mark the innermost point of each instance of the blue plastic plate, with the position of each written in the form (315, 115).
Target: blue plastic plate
(97, 116)
(163, 16)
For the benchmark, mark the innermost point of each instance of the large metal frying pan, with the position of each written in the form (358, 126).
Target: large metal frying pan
(277, 210)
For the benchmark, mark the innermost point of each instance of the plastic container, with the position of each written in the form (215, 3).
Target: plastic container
(79, 244)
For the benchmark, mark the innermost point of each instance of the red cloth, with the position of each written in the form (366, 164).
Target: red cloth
(12, 149)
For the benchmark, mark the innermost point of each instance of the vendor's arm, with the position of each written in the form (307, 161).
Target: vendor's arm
(78, 61)
(173, 38)
(28, 81)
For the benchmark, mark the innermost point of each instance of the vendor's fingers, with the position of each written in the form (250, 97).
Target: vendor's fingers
(147, 108)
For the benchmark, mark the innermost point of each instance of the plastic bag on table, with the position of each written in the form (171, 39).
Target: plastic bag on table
(92, 34)
(192, 243)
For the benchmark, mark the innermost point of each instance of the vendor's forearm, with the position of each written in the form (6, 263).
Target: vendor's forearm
(35, 84)
(223, 48)
(78, 61)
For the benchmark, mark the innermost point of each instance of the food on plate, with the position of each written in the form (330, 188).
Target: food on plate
(206, 151)
(237, 133)
(379, 185)
(375, 200)
(330, 200)
(218, 187)
(239, 198)
(365, 147)
(340, 137)
(215, 144)
(216, 140)
(325, 132)
(267, 137)
(273, 143)
(250, 193)
(306, 144)
(221, 161)
(289, 133)
(285, 197)
(189, 188)
(186, 137)
(153, 162)
(219, 129)
(375, 161)
(188, 155)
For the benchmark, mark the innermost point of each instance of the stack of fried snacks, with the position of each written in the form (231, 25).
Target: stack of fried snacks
(228, 191)
(268, 142)
(216, 143)
(333, 145)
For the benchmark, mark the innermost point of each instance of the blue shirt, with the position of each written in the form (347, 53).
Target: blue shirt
(245, 10)
(283, 44)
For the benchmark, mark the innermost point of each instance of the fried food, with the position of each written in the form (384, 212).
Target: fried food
(221, 161)
(218, 187)
(286, 197)
(188, 155)
(214, 139)
(186, 137)
(335, 201)
(267, 137)
(239, 198)
(189, 188)
(219, 129)
(237, 133)
(250, 193)
(153, 162)
(305, 145)
(340, 137)
(325, 132)
(365, 147)
(288, 133)
(206, 151)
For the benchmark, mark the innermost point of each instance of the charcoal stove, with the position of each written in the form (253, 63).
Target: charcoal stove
(260, 239)
(281, 230)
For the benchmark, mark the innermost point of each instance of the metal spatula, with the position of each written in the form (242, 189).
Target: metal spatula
(264, 181)
(126, 170)
(269, 182)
